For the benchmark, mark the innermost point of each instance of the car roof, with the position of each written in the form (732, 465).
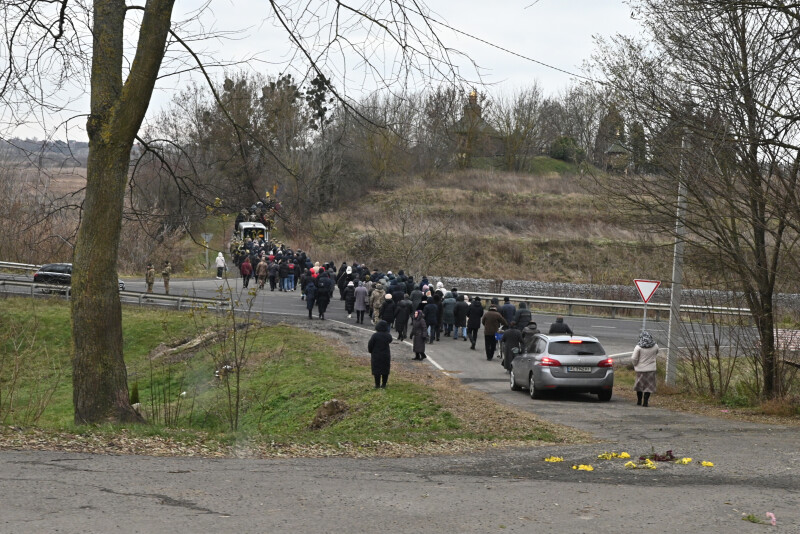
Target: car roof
(53, 265)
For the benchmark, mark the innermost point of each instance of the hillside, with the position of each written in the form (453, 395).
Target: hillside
(490, 224)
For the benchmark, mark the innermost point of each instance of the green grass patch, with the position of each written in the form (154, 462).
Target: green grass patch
(285, 375)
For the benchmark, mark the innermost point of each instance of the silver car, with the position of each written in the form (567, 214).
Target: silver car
(575, 363)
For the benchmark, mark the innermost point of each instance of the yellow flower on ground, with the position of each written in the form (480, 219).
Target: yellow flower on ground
(583, 467)
(707, 464)
(553, 459)
(624, 455)
(606, 456)
(630, 465)
(683, 461)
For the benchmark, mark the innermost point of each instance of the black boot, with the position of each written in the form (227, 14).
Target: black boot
(646, 398)
(638, 398)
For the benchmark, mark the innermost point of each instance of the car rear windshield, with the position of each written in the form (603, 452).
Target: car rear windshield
(575, 348)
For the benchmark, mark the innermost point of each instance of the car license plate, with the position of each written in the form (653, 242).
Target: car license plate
(579, 369)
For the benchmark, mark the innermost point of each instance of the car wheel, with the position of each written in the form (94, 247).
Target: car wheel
(514, 386)
(605, 396)
(535, 393)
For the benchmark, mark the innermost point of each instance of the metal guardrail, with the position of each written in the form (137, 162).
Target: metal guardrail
(181, 301)
(21, 266)
(570, 303)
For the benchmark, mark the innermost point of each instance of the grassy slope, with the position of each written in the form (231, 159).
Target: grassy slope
(289, 373)
(544, 226)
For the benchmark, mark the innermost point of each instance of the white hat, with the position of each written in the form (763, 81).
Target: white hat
(388, 296)
(439, 285)
(388, 272)
(349, 270)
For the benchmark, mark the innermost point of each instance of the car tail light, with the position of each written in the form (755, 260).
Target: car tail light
(549, 362)
(608, 362)
(575, 341)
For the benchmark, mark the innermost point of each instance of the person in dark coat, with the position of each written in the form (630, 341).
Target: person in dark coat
(512, 339)
(387, 310)
(448, 313)
(431, 313)
(401, 316)
(324, 292)
(379, 347)
(273, 275)
(460, 317)
(410, 285)
(438, 299)
(474, 315)
(341, 279)
(311, 294)
(419, 333)
(508, 310)
(491, 325)
(283, 274)
(528, 336)
(416, 297)
(361, 301)
(522, 317)
(349, 298)
(560, 327)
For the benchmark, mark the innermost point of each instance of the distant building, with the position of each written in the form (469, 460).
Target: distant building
(617, 157)
(474, 136)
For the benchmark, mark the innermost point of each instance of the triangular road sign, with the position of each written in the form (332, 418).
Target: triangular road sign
(647, 288)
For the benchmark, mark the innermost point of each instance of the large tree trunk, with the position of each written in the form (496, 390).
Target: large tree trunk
(99, 379)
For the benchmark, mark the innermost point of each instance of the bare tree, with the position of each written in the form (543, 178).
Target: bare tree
(517, 119)
(51, 45)
(715, 92)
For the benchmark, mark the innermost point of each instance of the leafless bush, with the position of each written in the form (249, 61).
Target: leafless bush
(26, 366)
(35, 226)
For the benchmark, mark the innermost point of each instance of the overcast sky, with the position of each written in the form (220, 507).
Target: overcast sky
(555, 32)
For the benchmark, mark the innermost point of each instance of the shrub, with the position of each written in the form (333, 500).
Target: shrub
(567, 149)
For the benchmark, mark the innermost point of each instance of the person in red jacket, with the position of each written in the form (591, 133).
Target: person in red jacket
(246, 269)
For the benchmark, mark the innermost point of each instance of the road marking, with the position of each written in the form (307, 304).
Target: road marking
(601, 326)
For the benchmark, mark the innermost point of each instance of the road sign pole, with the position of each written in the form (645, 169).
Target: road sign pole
(206, 240)
(644, 317)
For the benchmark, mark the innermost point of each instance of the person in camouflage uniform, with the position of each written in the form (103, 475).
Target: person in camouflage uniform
(166, 272)
(150, 277)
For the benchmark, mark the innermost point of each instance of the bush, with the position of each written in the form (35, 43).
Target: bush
(567, 149)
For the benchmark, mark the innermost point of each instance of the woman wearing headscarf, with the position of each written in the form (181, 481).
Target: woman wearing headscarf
(379, 347)
(644, 363)
(419, 331)
(350, 298)
(220, 265)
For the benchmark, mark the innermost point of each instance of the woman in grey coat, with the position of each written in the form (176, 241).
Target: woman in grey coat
(360, 304)
(644, 363)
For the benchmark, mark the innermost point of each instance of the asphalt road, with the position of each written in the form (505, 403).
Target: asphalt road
(755, 472)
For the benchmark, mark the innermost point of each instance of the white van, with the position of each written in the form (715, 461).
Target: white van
(253, 230)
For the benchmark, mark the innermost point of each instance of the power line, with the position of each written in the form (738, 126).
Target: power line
(506, 50)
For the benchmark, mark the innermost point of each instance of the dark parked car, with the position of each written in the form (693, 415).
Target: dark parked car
(59, 274)
(577, 363)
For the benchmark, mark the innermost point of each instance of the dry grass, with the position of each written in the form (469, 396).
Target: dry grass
(506, 226)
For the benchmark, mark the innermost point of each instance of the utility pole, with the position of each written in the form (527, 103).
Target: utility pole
(677, 274)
